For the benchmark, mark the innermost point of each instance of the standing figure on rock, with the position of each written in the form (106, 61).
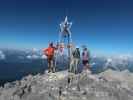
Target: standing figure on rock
(75, 60)
(49, 52)
(86, 59)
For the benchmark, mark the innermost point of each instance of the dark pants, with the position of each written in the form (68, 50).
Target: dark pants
(50, 64)
(86, 64)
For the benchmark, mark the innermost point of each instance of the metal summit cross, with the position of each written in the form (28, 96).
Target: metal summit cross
(65, 32)
(65, 39)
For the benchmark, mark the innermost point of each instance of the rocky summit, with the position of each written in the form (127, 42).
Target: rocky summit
(108, 85)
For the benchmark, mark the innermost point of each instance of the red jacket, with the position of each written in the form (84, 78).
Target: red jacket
(49, 51)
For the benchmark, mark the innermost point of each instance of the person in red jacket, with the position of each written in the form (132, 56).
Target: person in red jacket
(49, 52)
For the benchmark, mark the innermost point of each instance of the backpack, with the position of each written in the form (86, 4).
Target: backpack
(76, 54)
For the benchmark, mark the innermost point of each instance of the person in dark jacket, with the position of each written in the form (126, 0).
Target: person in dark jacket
(75, 60)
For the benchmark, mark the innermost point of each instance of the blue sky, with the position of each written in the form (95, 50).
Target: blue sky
(103, 25)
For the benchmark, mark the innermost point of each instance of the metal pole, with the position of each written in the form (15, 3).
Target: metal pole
(69, 51)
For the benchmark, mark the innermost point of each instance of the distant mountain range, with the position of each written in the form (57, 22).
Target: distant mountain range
(14, 64)
(116, 62)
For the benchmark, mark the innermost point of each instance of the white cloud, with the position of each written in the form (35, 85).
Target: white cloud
(29, 57)
(33, 56)
(109, 60)
(93, 64)
(2, 55)
(34, 50)
(44, 57)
